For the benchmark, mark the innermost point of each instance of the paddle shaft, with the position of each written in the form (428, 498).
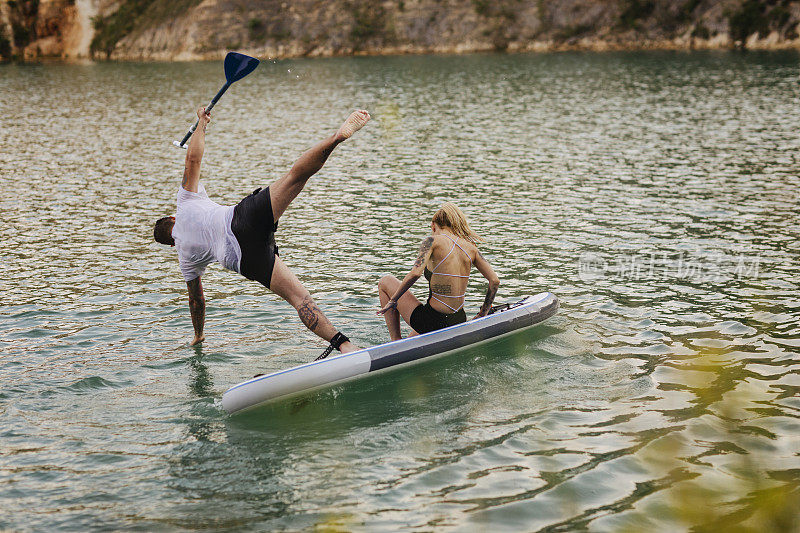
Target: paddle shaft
(208, 110)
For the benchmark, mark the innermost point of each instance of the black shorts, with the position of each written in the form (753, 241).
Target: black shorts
(425, 318)
(254, 227)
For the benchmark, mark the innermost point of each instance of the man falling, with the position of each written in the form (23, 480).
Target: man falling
(242, 237)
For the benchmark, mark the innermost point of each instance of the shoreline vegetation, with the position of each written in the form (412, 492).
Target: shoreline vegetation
(178, 30)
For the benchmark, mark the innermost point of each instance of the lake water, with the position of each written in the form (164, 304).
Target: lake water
(655, 193)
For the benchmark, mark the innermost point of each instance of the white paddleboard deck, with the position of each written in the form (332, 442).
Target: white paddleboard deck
(344, 367)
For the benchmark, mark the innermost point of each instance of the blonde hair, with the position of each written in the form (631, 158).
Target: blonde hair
(451, 217)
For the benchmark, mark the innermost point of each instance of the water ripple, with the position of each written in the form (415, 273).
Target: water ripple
(655, 193)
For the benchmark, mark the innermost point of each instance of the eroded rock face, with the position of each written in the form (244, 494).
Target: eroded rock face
(37, 29)
(31, 29)
(205, 29)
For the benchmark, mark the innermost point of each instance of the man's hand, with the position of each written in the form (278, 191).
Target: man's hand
(480, 314)
(197, 340)
(202, 116)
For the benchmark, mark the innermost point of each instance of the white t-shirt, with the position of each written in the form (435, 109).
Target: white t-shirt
(202, 234)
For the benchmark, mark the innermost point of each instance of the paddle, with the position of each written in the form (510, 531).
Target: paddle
(237, 66)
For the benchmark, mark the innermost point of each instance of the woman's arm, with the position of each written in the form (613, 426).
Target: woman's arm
(416, 271)
(485, 268)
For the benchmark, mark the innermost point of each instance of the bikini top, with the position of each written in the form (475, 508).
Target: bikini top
(429, 274)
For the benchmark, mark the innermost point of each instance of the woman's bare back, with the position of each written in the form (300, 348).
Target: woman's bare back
(448, 271)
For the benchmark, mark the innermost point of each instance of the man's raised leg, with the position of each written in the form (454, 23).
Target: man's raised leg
(286, 285)
(286, 189)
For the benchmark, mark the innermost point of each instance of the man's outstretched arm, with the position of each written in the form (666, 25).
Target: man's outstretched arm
(194, 154)
(197, 306)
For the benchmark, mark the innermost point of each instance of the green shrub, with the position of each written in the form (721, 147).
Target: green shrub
(687, 9)
(779, 16)
(574, 31)
(129, 16)
(634, 11)
(482, 7)
(749, 19)
(280, 34)
(22, 16)
(5, 44)
(21, 34)
(113, 28)
(701, 32)
(256, 28)
(508, 14)
(369, 21)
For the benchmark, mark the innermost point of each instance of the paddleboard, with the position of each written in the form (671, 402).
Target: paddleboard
(404, 352)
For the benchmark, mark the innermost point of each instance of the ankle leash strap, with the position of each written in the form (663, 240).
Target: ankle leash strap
(336, 343)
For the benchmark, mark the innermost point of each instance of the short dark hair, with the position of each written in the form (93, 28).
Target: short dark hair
(162, 232)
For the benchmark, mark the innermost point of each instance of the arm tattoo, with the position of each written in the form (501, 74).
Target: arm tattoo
(423, 251)
(487, 302)
(197, 305)
(309, 313)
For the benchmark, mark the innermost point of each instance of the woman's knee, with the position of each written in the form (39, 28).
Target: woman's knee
(388, 283)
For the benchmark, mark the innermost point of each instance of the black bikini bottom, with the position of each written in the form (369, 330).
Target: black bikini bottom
(425, 318)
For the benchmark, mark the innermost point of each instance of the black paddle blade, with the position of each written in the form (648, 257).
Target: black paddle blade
(237, 66)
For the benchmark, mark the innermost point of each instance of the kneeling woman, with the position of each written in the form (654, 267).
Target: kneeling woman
(446, 258)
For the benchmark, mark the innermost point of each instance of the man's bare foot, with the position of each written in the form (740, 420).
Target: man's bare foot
(354, 122)
(348, 346)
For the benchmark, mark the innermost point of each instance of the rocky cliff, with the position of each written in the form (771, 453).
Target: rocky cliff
(31, 29)
(199, 29)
